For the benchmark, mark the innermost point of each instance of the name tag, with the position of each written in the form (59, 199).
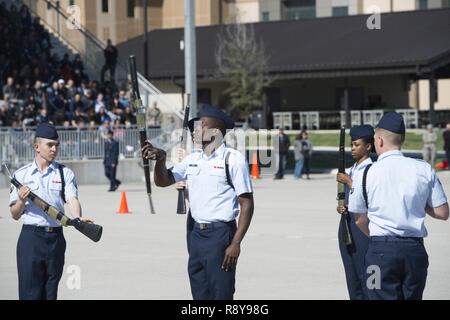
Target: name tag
(193, 165)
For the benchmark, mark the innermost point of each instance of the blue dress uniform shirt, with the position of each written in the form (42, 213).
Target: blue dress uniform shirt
(47, 186)
(211, 198)
(355, 172)
(398, 190)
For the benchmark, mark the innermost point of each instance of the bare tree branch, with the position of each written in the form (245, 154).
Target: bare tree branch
(241, 60)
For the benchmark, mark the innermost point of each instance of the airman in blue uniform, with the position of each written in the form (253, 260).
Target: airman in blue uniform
(220, 190)
(353, 254)
(41, 245)
(390, 203)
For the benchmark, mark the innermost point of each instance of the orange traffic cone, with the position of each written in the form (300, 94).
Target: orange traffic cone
(123, 209)
(439, 166)
(255, 167)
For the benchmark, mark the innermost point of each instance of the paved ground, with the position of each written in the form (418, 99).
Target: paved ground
(290, 251)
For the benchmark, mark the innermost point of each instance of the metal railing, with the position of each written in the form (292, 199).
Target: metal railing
(17, 146)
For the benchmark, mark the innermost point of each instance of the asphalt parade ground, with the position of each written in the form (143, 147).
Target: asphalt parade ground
(290, 251)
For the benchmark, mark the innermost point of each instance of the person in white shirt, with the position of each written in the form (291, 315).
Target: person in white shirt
(41, 245)
(220, 190)
(390, 206)
(353, 254)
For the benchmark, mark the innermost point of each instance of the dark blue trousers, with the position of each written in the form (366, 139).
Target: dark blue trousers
(190, 223)
(281, 159)
(447, 153)
(403, 264)
(110, 173)
(353, 259)
(40, 262)
(206, 253)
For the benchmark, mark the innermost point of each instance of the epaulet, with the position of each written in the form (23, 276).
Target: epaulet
(57, 164)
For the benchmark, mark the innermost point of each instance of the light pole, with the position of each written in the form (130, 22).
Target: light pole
(190, 53)
(145, 40)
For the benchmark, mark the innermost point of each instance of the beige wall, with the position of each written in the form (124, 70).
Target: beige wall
(384, 5)
(118, 25)
(443, 95)
(414, 95)
(247, 11)
(398, 5)
(404, 5)
(173, 13)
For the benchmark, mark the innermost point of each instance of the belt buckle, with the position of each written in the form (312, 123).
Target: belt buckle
(49, 229)
(203, 226)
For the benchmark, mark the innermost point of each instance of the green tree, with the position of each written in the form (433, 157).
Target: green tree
(242, 62)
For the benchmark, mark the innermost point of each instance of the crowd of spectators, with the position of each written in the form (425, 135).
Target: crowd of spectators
(37, 85)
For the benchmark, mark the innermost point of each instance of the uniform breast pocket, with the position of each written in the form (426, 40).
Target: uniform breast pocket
(192, 174)
(32, 185)
(218, 180)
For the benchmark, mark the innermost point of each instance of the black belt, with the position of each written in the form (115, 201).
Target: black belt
(42, 229)
(210, 225)
(395, 239)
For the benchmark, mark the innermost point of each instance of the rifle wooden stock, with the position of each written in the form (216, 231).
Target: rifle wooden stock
(90, 230)
(142, 127)
(346, 235)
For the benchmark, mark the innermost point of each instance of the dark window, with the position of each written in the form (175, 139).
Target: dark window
(355, 98)
(445, 3)
(300, 9)
(204, 96)
(130, 8)
(374, 101)
(266, 16)
(105, 6)
(423, 4)
(340, 11)
(71, 2)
